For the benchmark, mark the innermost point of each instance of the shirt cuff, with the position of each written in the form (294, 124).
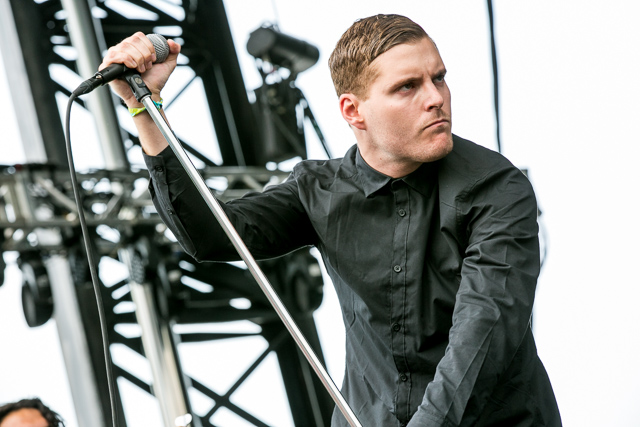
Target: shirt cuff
(159, 159)
(167, 183)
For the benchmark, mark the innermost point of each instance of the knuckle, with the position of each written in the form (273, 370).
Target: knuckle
(139, 37)
(129, 61)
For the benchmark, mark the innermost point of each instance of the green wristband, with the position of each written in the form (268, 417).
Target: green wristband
(135, 111)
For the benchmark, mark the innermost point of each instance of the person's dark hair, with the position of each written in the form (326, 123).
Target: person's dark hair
(52, 418)
(362, 43)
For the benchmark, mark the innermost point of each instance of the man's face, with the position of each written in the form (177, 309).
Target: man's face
(26, 417)
(406, 119)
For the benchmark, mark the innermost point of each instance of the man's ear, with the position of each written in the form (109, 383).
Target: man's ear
(350, 109)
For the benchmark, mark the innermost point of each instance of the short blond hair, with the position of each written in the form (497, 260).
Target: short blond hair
(362, 43)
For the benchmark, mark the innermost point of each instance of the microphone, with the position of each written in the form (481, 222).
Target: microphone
(114, 71)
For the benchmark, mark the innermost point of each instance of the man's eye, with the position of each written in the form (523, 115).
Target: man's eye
(439, 78)
(406, 87)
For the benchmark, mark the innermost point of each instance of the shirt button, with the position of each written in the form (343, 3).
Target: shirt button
(159, 169)
(403, 378)
(396, 327)
(402, 212)
(397, 268)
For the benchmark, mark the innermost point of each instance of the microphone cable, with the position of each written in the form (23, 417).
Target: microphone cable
(95, 280)
(99, 79)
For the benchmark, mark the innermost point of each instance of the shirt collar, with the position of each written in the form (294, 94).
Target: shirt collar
(421, 180)
(370, 179)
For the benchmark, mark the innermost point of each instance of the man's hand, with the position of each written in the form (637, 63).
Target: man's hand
(137, 52)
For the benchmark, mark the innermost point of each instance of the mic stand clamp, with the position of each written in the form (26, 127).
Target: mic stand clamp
(143, 95)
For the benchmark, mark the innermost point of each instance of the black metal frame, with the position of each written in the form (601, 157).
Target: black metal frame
(209, 49)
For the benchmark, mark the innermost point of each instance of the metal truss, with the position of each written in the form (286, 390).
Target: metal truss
(162, 293)
(38, 219)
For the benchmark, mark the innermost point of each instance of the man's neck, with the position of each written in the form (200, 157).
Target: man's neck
(388, 167)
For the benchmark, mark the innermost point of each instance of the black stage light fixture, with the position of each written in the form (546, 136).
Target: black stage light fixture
(270, 45)
(3, 266)
(37, 300)
(280, 106)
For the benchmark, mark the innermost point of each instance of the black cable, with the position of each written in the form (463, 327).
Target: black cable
(496, 103)
(308, 114)
(92, 264)
(494, 61)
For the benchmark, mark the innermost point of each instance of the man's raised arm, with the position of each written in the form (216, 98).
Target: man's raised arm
(137, 52)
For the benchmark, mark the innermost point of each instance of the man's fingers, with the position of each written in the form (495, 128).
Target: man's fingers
(121, 54)
(135, 52)
(174, 50)
(144, 45)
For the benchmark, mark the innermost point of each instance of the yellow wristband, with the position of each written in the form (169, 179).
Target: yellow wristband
(135, 111)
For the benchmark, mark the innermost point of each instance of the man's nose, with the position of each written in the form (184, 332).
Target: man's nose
(433, 98)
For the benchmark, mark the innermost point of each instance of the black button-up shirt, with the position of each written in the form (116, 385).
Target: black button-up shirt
(435, 273)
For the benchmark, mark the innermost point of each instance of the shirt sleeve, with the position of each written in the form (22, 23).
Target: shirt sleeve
(494, 301)
(271, 223)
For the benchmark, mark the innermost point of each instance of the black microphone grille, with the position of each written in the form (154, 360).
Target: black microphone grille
(160, 45)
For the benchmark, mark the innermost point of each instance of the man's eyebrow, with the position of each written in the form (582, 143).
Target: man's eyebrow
(441, 72)
(404, 80)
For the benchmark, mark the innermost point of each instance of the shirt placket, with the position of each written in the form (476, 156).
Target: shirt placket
(398, 297)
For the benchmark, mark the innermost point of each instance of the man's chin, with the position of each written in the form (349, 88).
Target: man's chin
(439, 147)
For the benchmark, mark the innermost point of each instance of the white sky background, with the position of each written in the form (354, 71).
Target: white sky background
(569, 82)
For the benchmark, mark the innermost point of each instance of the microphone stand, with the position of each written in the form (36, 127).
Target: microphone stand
(143, 95)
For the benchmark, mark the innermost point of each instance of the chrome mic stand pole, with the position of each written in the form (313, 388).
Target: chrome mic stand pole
(143, 95)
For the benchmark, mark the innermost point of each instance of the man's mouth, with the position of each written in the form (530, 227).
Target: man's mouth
(437, 122)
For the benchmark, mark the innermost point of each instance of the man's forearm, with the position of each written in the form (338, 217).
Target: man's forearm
(151, 139)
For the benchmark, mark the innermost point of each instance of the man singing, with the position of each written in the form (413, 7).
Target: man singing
(431, 241)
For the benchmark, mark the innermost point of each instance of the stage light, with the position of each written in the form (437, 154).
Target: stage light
(37, 301)
(3, 265)
(270, 45)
